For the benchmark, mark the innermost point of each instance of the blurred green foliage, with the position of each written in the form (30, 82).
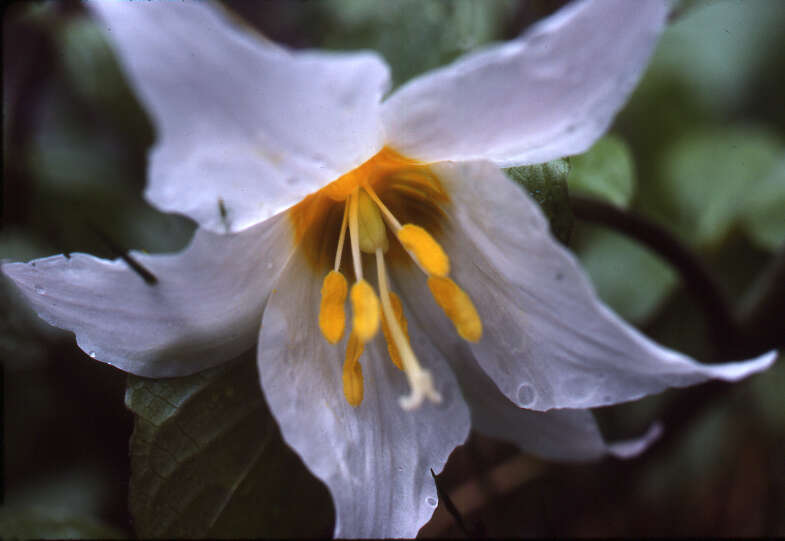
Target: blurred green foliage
(711, 174)
(412, 35)
(40, 522)
(627, 276)
(605, 171)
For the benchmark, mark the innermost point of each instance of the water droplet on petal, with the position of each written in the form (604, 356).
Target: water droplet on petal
(526, 395)
(92, 354)
(40, 289)
(430, 501)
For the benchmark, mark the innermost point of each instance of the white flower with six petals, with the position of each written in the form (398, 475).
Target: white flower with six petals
(284, 158)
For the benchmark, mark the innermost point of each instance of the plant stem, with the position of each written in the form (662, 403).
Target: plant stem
(700, 283)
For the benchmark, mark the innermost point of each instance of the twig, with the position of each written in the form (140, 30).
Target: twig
(456, 515)
(149, 278)
(471, 496)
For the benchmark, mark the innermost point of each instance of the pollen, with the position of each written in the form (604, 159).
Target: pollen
(425, 249)
(365, 310)
(332, 315)
(353, 372)
(458, 307)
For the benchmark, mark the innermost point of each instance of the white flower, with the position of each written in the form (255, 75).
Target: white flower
(250, 138)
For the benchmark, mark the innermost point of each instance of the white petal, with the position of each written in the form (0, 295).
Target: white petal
(550, 93)
(563, 434)
(548, 341)
(240, 119)
(634, 447)
(204, 309)
(376, 458)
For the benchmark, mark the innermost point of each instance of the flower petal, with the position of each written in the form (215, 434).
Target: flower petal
(563, 435)
(375, 458)
(204, 309)
(239, 119)
(550, 93)
(548, 341)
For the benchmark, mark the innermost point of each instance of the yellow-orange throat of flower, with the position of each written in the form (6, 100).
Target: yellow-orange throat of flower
(370, 201)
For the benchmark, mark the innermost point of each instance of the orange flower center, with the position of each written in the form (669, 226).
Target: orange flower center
(369, 201)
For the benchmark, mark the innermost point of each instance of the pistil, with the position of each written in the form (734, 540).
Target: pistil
(341, 236)
(420, 381)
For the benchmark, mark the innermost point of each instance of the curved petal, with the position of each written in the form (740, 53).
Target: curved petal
(550, 93)
(375, 458)
(239, 119)
(548, 341)
(204, 309)
(563, 435)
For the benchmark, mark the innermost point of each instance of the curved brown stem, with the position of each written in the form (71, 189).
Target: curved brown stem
(700, 283)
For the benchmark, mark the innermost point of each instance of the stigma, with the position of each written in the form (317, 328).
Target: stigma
(371, 200)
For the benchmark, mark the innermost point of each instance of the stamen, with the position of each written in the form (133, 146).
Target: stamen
(354, 233)
(332, 316)
(365, 311)
(423, 249)
(428, 253)
(341, 236)
(420, 381)
(391, 348)
(353, 372)
(458, 307)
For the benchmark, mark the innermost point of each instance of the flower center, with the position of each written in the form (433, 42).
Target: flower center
(365, 202)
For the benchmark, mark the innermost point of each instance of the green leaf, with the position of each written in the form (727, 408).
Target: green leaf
(606, 171)
(719, 47)
(39, 522)
(208, 460)
(611, 260)
(709, 174)
(547, 185)
(412, 35)
(763, 213)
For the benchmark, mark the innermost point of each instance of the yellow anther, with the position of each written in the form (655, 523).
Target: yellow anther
(458, 307)
(391, 347)
(332, 316)
(353, 372)
(425, 249)
(365, 310)
(373, 233)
